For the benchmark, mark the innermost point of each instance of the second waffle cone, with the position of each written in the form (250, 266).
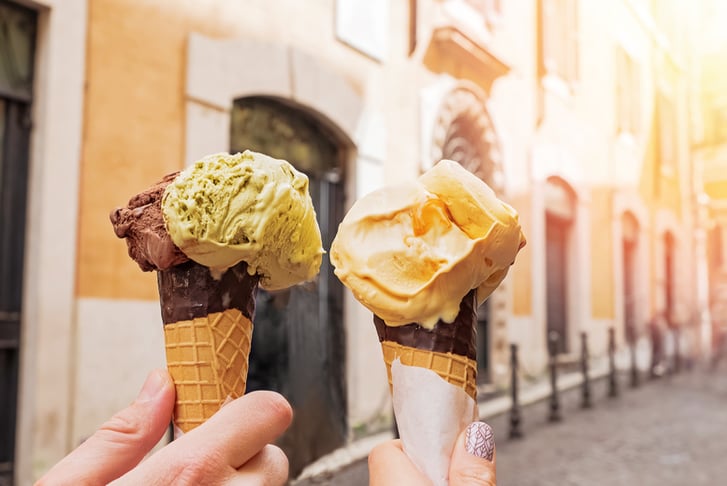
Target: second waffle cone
(454, 368)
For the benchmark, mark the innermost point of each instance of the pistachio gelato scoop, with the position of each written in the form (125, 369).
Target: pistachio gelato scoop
(245, 207)
(410, 253)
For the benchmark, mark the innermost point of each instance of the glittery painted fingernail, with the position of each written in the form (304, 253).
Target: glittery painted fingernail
(479, 440)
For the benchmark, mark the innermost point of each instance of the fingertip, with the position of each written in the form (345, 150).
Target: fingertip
(474, 455)
(389, 464)
(479, 440)
(269, 466)
(275, 404)
(381, 452)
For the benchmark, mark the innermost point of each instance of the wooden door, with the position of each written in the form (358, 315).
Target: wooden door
(556, 274)
(17, 40)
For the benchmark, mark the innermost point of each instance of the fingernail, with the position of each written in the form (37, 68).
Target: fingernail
(154, 384)
(480, 440)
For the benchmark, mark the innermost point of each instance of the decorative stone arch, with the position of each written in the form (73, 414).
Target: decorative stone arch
(560, 198)
(464, 131)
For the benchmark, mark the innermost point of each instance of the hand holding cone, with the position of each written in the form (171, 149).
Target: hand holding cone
(212, 241)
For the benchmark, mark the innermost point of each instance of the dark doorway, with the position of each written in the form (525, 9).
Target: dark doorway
(298, 339)
(669, 301)
(630, 229)
(556, 241)
(17, 43)
(559, 216)
(483, 343)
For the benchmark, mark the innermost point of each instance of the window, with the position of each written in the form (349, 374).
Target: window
(666, 134)
(666, 18)
(491, 10)
(17, 43)
(559, 38)
(718, 244)
(715, 125)
(364, 25)
(627, 93)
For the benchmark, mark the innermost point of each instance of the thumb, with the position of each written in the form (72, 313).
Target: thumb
(123, 441)
(473, 458)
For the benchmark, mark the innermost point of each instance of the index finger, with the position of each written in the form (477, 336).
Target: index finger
(242, 427)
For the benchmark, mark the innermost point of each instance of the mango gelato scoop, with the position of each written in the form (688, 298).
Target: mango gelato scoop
(245, 207)
(410, 253)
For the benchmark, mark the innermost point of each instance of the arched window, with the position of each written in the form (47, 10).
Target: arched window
(470, 139)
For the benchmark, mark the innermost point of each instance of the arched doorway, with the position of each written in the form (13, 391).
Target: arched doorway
(298, 341)
(669, 276)
(467, 135)
(630, 240)
(560, 211)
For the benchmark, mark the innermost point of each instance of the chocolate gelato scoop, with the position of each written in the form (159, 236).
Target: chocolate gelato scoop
(142, 225)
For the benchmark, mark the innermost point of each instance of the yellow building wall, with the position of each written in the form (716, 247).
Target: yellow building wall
(134, 120)
(602, 285)
(133, 133)
(521, 274)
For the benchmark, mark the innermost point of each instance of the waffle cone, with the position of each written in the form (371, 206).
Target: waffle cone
(208, 360)
(448, 349)
(454, 368)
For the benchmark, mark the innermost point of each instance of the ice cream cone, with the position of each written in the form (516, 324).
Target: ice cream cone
(448, 349)
(207, 330)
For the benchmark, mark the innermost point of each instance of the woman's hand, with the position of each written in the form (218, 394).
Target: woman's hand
(232, 447)
(473, 461)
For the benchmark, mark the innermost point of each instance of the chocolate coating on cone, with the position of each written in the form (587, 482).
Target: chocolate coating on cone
(459, 337)
(188, 290)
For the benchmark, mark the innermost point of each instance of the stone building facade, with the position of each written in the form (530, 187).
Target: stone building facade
(572, 111)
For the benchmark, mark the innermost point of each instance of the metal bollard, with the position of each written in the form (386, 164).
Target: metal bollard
(612, 379)
(554, 415)
(677, 351)
(586, 386)
(515, 420)
(634, 365)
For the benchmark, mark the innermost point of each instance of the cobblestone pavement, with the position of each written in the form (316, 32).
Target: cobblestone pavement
(668, 432)
(671, 432)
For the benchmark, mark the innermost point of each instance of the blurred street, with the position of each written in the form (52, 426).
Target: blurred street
(666, 432)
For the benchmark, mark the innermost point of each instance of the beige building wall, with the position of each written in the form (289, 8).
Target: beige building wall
(132, 89)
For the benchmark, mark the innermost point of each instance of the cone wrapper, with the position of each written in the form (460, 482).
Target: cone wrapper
(207, 332)
(432, 374)
(430, 414)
